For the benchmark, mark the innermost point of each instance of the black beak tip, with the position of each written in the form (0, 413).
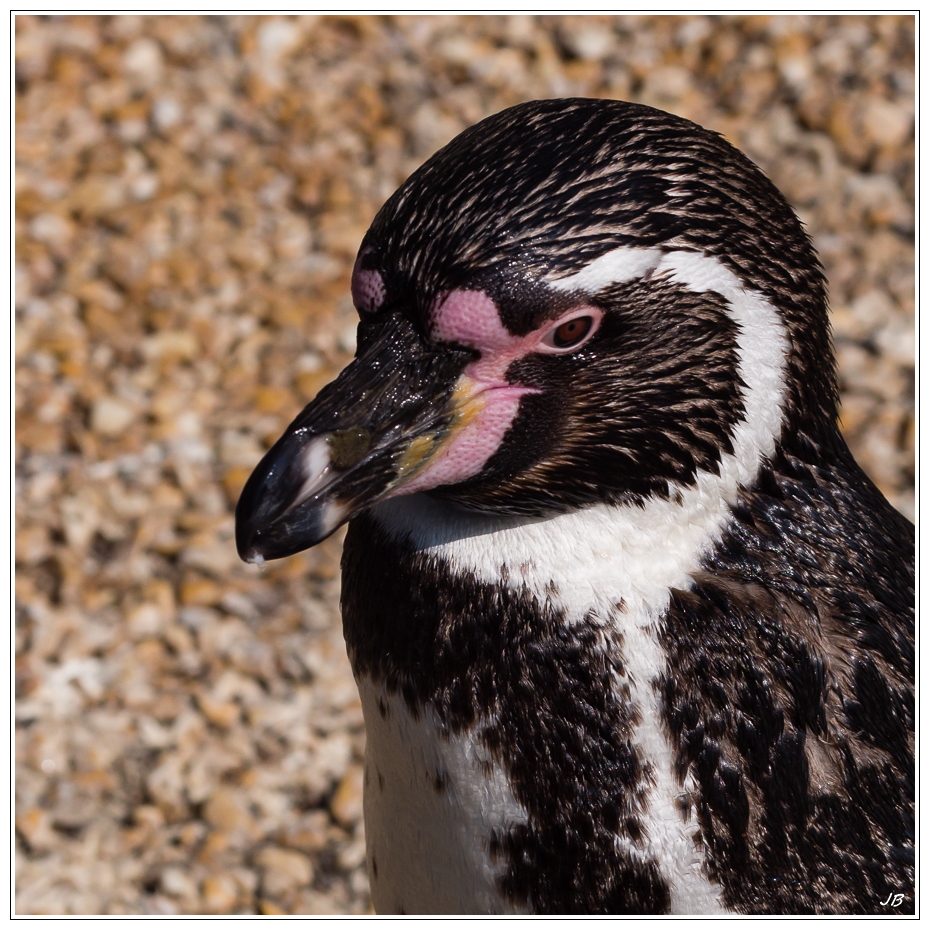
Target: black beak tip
(278, 542)
(248, 518)
(248, 542)
(247, 547)
(267, 528)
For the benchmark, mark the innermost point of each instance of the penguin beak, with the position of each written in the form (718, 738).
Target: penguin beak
(362, 438)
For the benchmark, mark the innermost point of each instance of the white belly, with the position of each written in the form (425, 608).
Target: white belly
(432, 804)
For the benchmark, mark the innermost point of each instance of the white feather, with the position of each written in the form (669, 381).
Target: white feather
(430, 847)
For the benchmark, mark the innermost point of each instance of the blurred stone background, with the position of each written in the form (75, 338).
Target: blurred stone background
(190, 195)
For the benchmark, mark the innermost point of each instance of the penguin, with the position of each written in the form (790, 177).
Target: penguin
(633, 632)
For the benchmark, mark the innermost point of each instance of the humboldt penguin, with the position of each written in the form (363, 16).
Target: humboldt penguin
(632, 630)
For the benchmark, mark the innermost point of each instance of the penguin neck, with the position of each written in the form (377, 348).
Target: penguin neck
(604, 557)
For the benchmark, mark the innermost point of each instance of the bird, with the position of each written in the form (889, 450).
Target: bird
(633, 632)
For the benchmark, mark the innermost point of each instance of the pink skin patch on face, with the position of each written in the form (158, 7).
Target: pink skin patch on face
(367, 287)
(488, 403)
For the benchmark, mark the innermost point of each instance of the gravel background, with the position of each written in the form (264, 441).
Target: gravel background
(190, 195)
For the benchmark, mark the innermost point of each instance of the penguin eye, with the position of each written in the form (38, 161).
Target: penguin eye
(569, 334)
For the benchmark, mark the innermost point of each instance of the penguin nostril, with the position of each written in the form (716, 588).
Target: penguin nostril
(347, 447)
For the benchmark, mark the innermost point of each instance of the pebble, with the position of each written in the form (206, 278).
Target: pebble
(190, 195)
(220, 894)
(887, 123)
(143, 62)
(35, 826)
(346, 805)
(177, 883)
(284, 871)
(111, 416)
(228, 810)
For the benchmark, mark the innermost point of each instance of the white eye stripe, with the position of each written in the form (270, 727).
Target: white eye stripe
(623, 264)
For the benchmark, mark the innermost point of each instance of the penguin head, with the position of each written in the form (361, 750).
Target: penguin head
(574, 302)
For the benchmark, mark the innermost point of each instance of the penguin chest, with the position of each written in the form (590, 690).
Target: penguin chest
(434, 804)
(539, 734)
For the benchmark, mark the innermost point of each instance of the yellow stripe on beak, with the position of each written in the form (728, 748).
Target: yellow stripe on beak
(467, 403)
